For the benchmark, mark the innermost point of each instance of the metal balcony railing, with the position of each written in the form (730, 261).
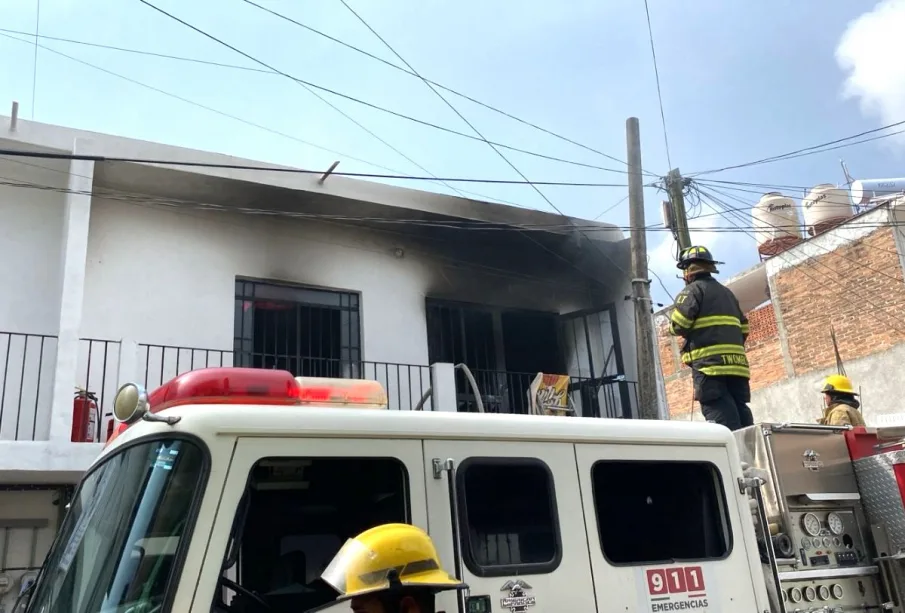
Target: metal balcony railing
(507, 392)
(27, 363)
(501, 391)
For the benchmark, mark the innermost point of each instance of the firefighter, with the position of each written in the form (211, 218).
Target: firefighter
(708, 318)
(393, 568)
(840, 407)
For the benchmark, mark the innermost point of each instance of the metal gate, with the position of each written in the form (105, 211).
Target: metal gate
(593, 353)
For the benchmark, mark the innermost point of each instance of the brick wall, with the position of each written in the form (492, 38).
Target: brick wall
(812, 301)
(764, 355)
(828, 289)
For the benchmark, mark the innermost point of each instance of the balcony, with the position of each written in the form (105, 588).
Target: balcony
(105, 364)
(28, 366)
(27, 363)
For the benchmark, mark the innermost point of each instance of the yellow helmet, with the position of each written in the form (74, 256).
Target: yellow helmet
(387, 557)
(838, 383)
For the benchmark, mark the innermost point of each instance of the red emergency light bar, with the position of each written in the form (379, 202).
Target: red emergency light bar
(227, 386)
(259, 386)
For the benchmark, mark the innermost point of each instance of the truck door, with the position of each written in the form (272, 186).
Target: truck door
(522, 542)
(665, 529)
(289, 504)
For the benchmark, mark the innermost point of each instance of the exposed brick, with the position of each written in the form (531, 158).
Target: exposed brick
(764, 355)
(829, 290)
(826, 290)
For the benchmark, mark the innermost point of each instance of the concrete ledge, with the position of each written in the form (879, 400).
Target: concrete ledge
(35, 462)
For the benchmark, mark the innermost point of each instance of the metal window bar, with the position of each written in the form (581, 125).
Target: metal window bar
(98, 369)
(27, 363)
(507, 392)
(273, 321)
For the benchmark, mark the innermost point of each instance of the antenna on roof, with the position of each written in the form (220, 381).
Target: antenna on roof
(14, 117)
(840, 367)
(329, 171)
(848, 177)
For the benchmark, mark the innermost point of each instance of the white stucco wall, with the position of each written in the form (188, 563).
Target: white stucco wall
(82, 266)
(164, 276)
(31, 227)
(31, 224)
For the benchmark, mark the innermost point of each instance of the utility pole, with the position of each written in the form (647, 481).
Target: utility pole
(675, 186)
(644, 321)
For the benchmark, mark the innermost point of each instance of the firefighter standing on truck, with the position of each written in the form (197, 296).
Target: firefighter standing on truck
(839, 402)
(393, 568)
(708, 317)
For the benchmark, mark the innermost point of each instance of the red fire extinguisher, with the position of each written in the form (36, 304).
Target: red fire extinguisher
(84, 417)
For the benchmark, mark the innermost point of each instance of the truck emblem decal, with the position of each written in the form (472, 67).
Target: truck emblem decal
(518, 600)
(811, 460)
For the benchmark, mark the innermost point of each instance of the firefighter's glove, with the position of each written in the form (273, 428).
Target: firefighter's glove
(752, 472)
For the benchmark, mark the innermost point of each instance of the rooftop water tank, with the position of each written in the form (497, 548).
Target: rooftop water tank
(825, 207)
(864, 191)
(776, 224)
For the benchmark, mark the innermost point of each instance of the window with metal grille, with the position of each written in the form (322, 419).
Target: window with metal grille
(307, 331)
(509, 517)
(651, 511)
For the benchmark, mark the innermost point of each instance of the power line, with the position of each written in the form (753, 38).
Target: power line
(826, 250)
(784, 256)
(227, 65)
(452, 224)
(163, 162)
(610, 208)
(653, 53)
(370, 104)
(810, 150)
(142, 199)
(476, 131)
(244, 121)
(411, 72)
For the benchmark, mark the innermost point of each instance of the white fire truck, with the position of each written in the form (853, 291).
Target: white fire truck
(230, 490)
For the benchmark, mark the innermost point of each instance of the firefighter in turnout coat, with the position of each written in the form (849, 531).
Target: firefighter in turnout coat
(708, 318)
(840, 405)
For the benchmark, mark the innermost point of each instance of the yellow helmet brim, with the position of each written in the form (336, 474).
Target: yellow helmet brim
(359, 569)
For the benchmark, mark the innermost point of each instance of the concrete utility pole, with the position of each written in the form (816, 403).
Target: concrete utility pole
(644, 321)
(675, 186)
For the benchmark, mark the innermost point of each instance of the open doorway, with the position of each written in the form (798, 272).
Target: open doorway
(504, 349)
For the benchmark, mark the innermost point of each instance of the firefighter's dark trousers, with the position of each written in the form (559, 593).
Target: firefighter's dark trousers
(724, 400)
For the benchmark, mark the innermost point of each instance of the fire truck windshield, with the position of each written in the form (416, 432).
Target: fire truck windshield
(123, 534)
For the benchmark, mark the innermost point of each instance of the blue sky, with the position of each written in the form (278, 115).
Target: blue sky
(740, 81)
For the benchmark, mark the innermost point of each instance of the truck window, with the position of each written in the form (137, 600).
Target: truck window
(649, 511)
(299, 512)
(509, 520)
(123, 535)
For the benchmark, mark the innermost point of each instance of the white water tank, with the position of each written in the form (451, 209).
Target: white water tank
(825, 207)
(864, 191)
(776, 224)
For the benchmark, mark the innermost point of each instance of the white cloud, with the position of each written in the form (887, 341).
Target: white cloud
(870, 53)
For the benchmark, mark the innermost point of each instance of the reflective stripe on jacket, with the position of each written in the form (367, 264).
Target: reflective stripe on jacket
(841, 415)
(707, 315)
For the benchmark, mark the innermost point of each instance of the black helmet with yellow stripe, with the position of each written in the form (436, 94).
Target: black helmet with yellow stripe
(696, 254)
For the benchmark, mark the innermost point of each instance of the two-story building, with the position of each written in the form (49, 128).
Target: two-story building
(116, 270)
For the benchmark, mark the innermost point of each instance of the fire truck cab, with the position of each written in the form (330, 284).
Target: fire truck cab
(230, 490)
